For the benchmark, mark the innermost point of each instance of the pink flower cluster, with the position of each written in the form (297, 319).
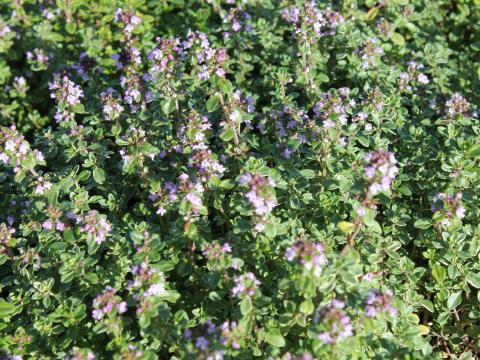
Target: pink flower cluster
(95, 226)
(165, 58)
(4, 29)
(54, 219)
(20, 85)
(310, 22)
(128, 57)
(193, 133)
(111, 102)
(147, 282)
(206, 164)
(246, 285)
(212, 61)
(84, 66)
(290, 124)
(237, 18)
(132, 85)
(80, 354)
(209, 338)
(214, 250)
(334, 108)
(377, 302)
(369, 51)
(260, 194)
(449, 207)
(14, 148)
(334, 322)
(165, 197)
(38, 59)
(218, 256)
(231, 334)
(129, 19)
(67, 95)
(41, 185)
(380, 170)
(6, 233)
(108, 302)
(414, 75)
(311, 255)
(192, 192)
(457, 105)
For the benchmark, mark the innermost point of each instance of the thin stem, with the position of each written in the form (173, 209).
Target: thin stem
(352, 236)
(230, 122)
(177, 116)
(34, 173)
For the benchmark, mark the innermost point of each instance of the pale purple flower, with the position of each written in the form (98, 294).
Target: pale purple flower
(202, 343)
(246, 285)
(260, 195)
(380, 170)
(423, 79)
(96, 226)
(377, 302)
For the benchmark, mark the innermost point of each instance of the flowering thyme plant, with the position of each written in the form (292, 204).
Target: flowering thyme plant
(239, 179)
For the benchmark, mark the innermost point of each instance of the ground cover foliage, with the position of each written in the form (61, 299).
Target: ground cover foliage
(271, 179)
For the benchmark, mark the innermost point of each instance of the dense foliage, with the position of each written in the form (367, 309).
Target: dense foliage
(208, 179)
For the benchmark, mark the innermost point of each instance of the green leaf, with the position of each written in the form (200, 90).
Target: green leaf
(439, 273)
(246, 306)
(423, 224)
(404, 190)
(225, 86)
(6, 309)
(227, 135)
(53, 195)
(323, 78)
(71, 27)
(19, 176)
(168, 106)
(274, 338)
(99, 175)
(171, 296)
(91, 278)
(398, 39)
(424, 330)
(307, 173)
(271, 230)
(79, 109)
(3, 259)
(363, 140)
(212, 104)
(371, 14)
(68, 236)
(369, 221)
(454, 300)
(136, 236)
(474, 280)
(307, 306)
(474, 151)
(84, 175)
(427, 304)
(346, 227)
(121, 142)
(148, 149)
